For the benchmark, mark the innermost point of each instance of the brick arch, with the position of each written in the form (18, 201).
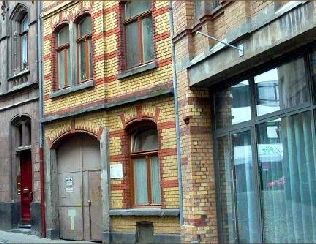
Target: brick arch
(71, 132)
(140, 116)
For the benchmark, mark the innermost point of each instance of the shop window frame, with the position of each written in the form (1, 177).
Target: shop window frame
(255, 121)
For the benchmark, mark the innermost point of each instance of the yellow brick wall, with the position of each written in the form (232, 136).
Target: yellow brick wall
(104, 70)
(162, 225)
(111, 119)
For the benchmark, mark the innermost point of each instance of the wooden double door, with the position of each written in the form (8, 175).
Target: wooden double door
(79, 181)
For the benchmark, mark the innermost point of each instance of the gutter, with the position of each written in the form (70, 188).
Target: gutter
(41, 129)
(174, 76)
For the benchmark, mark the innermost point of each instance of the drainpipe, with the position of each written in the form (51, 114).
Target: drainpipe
(174, 78)
(41, 129)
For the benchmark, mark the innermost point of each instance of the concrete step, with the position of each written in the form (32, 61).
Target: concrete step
(23, 230)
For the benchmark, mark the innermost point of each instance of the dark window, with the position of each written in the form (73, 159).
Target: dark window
(22, 132)
(138, 33)
(146, 168)
(144, 232)
(84, 49)
(63, 57)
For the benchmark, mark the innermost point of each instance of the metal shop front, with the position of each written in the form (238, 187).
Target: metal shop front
(265, 154)
(79, 188)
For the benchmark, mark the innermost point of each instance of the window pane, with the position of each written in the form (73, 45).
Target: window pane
(248, 210)
(313, 64)
(282, 87)
(24, 50)
(68, 67)
(24, 24)
(286, 156)
(145, 141)
(63, 36)
(198, 8)
(155, 180)
(85, 26)
(61, 69)
(82, 62)
(232, 106)
(148, 45)
(132, 46)
(140, 179)
(134, 8)
(226, 190)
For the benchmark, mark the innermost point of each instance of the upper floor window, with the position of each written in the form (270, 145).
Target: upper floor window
(146, 168)
(19, 45)
(84, 49)
(138, 25)
(202, 7)
(24, 27)
(63, 57)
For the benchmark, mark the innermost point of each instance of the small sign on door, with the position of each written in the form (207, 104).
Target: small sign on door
(69, 184)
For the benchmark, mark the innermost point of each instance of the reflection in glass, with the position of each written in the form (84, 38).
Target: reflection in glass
(226, 190)
(233, 105)
(248, 209)
(281, 87)
(286, 158)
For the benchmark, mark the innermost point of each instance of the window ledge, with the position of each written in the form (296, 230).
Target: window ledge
(21, 73)
(82, 86)
(137, 70)
(144, 212)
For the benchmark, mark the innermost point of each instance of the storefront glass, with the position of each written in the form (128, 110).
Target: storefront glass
(266, 169)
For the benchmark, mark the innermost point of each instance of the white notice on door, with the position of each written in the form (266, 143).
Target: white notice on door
(69, 184)
(116, 171)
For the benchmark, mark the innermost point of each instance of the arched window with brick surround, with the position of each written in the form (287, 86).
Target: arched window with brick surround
(145, 168)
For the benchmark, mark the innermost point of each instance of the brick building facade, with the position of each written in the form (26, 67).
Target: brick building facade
(109, 122)
(20, 179)
(246, 117)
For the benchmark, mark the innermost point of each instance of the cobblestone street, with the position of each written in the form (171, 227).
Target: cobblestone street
(10, 237)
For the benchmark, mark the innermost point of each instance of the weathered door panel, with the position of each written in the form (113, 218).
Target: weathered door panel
(71, 225)
(70, 189)
(90, 154)
(77, 184)
(95, 207)
(26, 186)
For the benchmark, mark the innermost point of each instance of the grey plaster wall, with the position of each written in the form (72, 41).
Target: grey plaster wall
(22, 100)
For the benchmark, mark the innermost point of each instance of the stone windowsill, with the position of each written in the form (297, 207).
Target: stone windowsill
(144, 212)
(79, 87)
(19, 87)
(137, 70)
(21, 73)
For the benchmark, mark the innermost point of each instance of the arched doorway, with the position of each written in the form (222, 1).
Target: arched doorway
(79, 188)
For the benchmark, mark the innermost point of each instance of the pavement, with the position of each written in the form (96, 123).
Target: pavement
(9, 237)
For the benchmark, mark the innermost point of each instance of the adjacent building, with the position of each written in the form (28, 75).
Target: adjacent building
(20, 179)
(247, 120)
(109, 122)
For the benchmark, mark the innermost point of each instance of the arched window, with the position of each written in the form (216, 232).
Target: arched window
(19, 39)
(63, 57)
(22, 133)
(24, 27)
(145, 166)
(84, 49)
